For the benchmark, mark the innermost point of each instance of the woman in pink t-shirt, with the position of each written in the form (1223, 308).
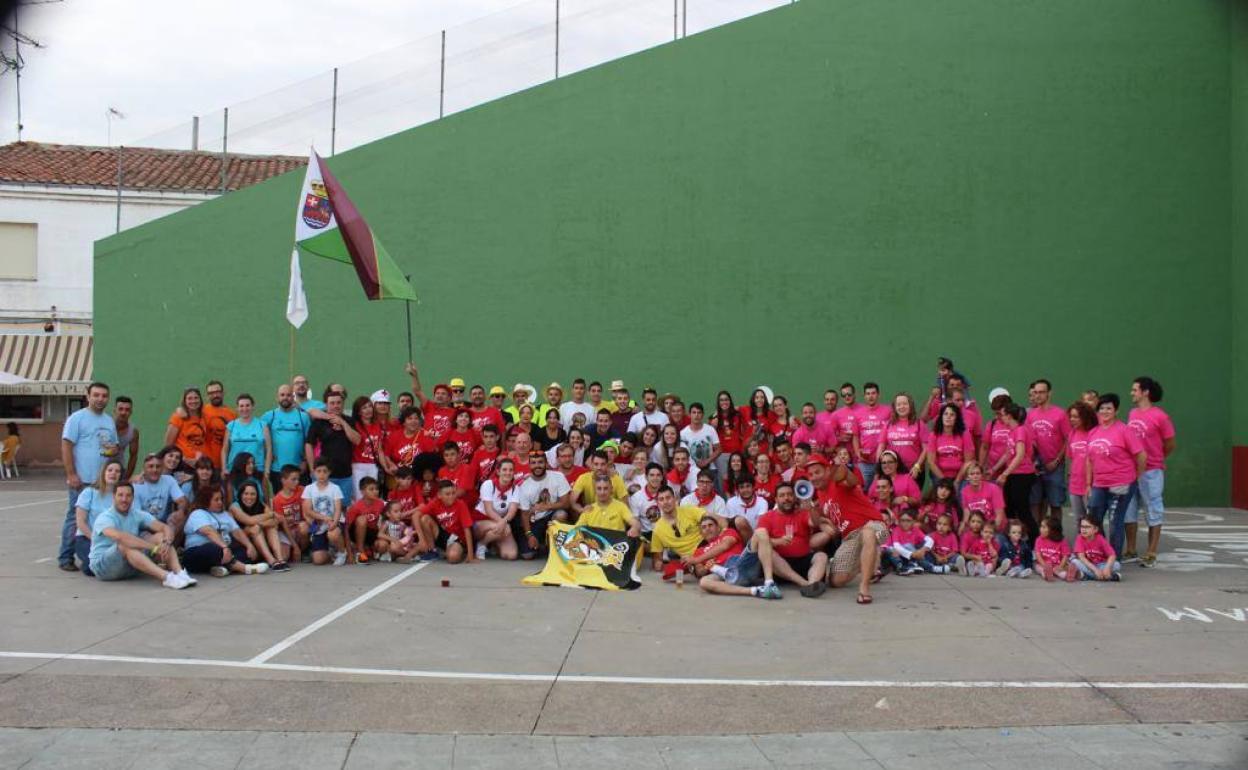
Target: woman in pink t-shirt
(1018, 471)
(983, 497)
(906, 492)
(1116, 458)
(950, 446)
(1082, 419)
(994, 445)
(906, 435)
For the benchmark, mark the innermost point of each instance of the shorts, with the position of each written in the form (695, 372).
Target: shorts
(1050, 488)
(112, 565)
(444, 539)
(316, 541)
(1149, 493)
(800, 564)
(744, 569)
(849, 555)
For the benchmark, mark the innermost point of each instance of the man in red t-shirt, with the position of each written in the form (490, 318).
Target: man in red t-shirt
(789, 529)
(488, 453)
(839, 500)
(483, 414)
(725, 566)
(447, 523)
(439, 413)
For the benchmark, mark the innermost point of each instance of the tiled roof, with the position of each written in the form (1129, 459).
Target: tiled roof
(142, 168)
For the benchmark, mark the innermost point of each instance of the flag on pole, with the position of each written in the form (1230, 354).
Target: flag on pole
(296, 300)
(328, 225)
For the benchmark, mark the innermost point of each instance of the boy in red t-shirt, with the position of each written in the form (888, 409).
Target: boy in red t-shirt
(446, 522)
(288, 505)
(462, 475)
(364, 518)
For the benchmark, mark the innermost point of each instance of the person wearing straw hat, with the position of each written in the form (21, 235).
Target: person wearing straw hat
(617, 386)
(521, 394)
(554, 398)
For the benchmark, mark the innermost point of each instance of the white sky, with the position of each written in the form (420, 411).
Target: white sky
(162, 61)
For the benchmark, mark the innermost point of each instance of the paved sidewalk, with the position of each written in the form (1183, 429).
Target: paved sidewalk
(1130, 747)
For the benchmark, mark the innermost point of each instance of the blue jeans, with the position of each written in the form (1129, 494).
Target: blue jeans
(1149, 497)
(1087, 574)
(69, 528)
(347, 486)
(82, 549)
(868, 474)
(1103, 504)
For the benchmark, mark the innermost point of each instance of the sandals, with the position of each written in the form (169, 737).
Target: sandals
(877, 577)
(865, 599)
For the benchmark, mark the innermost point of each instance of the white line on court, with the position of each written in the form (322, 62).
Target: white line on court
(331, 617)
(636, 680)
(33, 502)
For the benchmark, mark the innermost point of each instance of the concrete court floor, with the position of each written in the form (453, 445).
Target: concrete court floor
(489, 656)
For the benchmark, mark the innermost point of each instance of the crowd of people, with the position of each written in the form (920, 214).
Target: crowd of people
(740, 497)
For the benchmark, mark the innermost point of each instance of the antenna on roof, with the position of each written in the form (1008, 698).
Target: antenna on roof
(109, 114)
(16, 63)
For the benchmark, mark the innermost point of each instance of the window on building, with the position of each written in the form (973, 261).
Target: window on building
(18, 250)
(28, 408)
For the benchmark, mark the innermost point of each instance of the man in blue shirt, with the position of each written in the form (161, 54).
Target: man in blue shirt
(302, 391)
(88, 440)
(118, 552)
(157, 493)
(288, 427)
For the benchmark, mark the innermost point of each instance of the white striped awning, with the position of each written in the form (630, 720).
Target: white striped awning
(48, 364)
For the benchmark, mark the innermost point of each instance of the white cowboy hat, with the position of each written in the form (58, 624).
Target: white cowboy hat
(997, 391)
(766, 392)
(532, 391)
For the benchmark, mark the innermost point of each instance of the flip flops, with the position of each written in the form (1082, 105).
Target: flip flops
(865, 599)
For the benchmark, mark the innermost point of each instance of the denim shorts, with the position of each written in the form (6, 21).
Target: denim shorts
(1050, 487)
(112, 565)
(744, 569)
(1149, 492)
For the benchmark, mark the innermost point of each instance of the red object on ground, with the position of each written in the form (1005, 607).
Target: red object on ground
(1239, 477)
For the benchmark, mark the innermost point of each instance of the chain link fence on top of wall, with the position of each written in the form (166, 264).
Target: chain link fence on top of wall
(508, 51)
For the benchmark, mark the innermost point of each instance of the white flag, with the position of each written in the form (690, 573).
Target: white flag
(296, 300)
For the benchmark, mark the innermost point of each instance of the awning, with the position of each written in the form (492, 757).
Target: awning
(49, 364)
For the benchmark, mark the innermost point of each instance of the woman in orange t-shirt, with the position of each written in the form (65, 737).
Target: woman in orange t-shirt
(186, 428)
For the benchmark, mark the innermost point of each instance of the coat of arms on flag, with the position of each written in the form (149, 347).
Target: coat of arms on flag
(316, 209)
(589, 557)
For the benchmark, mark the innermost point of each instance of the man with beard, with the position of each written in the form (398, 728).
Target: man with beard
(870, 422)
(543, 498)
(439, 414)
(337, 439)
(482, 413)
(288, 428)
(789, 530)
(840, 502)
(649, 414)
(303, 390)
(216, 417)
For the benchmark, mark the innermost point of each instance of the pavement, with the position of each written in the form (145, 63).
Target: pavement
(379, 653)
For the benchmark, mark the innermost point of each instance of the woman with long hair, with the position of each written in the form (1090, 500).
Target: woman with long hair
(756, 415)
(783, 423)
(92, 501)
(246, 433)
(950, 447)
(213, 539)
(364, 454)
(907, 495)
(649, 438)
(258, 524)
(1082, 421)
(735, 468)
(727, 422)
(187, 429)
(667, 446)
(203, 476)
(905, 435)
(1019, 471)
(243, 470)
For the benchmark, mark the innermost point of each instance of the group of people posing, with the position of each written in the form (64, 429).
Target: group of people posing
(738, 496)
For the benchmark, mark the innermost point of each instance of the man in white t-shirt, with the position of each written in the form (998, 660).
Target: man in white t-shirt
(544, 497)
(703, 495)
(744, 508)
(649, 414)
(578, 405)
(701, 439)
(644, 502)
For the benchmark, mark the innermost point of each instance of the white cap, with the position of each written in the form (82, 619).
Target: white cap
(380, 396)
(997, 391)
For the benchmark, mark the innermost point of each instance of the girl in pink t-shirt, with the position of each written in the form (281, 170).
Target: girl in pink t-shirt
(940, 500)
(945, 557)
(982, 552)
(983, 496)
(1052, 552)
(1094, 556)
(1082, 419)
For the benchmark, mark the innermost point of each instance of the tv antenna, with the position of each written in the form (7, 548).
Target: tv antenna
(15, 63)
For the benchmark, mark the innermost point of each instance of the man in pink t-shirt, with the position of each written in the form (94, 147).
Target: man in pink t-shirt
(827, 416)
(871, 419)
(844, 419)
(809, 431)
(1156, 432)
(1050, 429)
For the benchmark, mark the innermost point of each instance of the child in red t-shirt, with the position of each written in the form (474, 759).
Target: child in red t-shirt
(447, 523)
(461, 474)
(364, 518)
(288, 505)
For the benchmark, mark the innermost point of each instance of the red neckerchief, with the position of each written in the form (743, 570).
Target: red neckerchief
(702, 502)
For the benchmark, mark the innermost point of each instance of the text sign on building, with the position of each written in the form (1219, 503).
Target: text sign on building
(44, 389)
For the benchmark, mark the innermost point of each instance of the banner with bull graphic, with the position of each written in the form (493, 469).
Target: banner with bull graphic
(588, 557)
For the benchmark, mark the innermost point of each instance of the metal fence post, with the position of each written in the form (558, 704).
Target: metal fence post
(556, 39)
(195, 133)
(333, 117)
(442, 79)
(225, 139)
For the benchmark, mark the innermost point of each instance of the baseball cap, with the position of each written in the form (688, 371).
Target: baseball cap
(380, 396)
(497, 390)
(457, 382)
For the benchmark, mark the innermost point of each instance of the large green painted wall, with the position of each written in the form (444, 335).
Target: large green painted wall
(1239, 219)
(833, 190)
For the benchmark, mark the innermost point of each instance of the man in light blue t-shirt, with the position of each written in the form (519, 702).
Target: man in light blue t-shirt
(157, 493)
(288, 427)
(118, 551)
(88, 439)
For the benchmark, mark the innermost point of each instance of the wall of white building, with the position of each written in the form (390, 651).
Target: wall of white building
(69, 220)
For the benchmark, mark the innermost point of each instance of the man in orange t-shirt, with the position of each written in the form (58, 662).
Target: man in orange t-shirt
(216, 417)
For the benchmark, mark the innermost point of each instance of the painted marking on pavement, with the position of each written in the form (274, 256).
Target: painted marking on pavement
(634, 680)
(1188, 613)
(343, 610)
(33, 502)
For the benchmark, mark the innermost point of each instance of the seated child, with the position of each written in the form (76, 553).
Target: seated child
(907, 548)
(1015, 553)
(1052, 552)
(447, 523)
(983, 554)
(1094, 556)
(396, 538)
(943, 557)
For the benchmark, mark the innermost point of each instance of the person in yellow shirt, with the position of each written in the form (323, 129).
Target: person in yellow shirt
(676, 530)
(583, 489)
(606, 512)
(10, 444)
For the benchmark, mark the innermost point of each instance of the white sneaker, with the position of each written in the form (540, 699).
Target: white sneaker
(385, 557)
(218, 571)
(174, 581)
(190, 581)
(481, 552)
(1025, 572)
(255, 569)
(340, 559)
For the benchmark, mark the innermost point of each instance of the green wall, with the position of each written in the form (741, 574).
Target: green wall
(830, 191)
(1239, 221)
